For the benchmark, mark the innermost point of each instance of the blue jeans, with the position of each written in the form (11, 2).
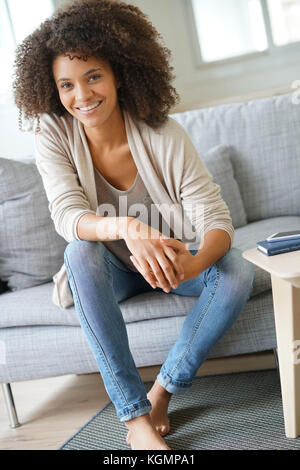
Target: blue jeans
(99, 281)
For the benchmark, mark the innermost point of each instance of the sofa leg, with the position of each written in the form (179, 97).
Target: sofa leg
(10, 405)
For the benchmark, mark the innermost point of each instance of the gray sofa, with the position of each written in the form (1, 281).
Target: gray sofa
(252, 151)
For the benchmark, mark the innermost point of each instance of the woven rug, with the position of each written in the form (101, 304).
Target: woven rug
(230, 412)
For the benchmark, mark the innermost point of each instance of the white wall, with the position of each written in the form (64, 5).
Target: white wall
(13, 143)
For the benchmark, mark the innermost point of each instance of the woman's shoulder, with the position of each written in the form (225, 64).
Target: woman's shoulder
(56, 126)
(169, 131)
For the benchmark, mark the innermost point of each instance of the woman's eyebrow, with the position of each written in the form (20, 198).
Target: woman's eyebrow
(86, 73)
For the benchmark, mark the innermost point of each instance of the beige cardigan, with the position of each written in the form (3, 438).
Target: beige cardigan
(169, 166)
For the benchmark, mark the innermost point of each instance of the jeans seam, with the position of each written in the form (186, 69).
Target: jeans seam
(98, 345)
(135, 407)
(200, 319)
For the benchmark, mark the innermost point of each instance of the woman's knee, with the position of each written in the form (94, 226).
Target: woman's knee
(80, 251)
(238, 271)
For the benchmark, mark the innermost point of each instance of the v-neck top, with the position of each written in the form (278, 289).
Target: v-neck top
(135, 201)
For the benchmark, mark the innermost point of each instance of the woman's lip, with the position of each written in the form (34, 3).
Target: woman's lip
(91, 110)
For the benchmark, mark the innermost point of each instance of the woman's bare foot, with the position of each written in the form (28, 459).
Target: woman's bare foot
(159, 398)
(142, 434)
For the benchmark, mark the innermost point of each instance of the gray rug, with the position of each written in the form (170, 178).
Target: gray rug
(234, 411)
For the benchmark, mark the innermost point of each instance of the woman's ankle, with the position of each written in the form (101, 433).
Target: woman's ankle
(143, 435)
(160, 391)
(140, 421)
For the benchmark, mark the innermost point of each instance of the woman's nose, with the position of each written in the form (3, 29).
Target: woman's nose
(82, 93)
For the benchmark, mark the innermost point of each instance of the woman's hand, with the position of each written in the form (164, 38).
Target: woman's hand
(158, 263)
(188, 261)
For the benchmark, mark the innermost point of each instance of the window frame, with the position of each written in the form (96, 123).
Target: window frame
(11, 28)
(272, 50)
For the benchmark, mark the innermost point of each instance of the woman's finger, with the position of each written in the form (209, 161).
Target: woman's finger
(146, 273)
(161, 280)
(169, 252)
(167, 268)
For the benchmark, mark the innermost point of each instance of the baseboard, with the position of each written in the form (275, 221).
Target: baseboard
(225, 365)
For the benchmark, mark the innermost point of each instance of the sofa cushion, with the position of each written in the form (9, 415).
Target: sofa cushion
(219, 165)
(22, 308)
(31, 251)
(264, 141)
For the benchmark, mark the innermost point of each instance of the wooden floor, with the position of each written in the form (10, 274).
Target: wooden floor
(51, 410)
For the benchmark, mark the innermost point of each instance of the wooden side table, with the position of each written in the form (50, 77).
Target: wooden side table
(285, 276)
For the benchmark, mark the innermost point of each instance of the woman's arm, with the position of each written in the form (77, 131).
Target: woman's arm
(67, 200)
(215, 245)
(200, 196)
(203, 205)
(98, 228)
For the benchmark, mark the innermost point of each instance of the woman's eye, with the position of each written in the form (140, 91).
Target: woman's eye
(66, 85)
(95, 77)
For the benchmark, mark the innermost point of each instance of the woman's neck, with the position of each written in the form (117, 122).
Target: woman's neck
(111, 134)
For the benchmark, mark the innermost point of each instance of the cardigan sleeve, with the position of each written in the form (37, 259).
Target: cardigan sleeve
(67, 200)
(200, 196)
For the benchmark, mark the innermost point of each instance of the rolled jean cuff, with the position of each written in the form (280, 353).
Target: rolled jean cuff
(173, 386)
(135, 410)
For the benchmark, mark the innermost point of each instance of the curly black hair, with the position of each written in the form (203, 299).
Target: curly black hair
(108, 29)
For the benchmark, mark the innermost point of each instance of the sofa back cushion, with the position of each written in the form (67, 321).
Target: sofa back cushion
(264, 141)
(218, 163)
(31, 251)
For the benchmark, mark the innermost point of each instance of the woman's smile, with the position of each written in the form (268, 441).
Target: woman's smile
(89, 109)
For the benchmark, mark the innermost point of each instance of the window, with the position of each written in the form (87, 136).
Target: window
(285, 21)
(233, 28)
(18, 19)
(229, 28)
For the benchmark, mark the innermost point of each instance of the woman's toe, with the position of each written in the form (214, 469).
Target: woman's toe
(163, 430)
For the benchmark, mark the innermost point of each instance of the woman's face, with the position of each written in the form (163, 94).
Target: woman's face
(87, 89)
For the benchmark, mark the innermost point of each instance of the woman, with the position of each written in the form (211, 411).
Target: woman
(97, 78)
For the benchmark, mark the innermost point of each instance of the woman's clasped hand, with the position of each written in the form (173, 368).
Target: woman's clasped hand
(163, 262)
